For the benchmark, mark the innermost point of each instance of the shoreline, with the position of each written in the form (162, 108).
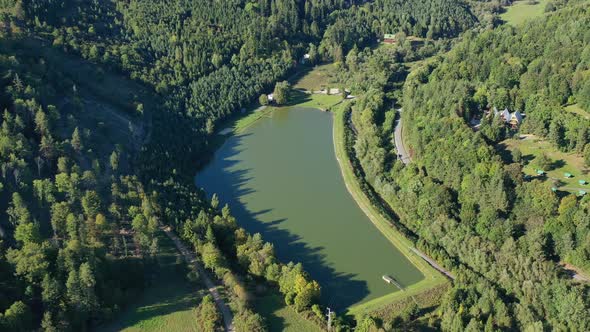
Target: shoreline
(432, 277)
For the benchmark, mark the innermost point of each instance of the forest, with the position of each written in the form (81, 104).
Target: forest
(470, 208)
(92, 169)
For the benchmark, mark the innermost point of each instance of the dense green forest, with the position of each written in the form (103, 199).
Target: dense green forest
(470, 208)
(109, 107)
(78, 232)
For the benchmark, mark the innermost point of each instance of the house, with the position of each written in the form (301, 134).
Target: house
(389, 38)
(504, 115)
(515, 119)
(271, 97)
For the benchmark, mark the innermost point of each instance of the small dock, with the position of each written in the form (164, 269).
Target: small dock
(391, 280)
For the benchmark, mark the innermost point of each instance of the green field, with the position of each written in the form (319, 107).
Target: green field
(280, 317)
(317, 100)
(167, 304)
(432, 278)
(576, 109)
(298, 98)
(321, 77)
(309, 80)
(522, 10)
(532, 146)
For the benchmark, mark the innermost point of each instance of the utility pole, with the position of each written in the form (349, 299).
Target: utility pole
(329, 315)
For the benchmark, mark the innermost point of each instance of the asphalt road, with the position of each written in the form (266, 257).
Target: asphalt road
(402, 152)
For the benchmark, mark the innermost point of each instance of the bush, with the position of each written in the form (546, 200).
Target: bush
(248, 321)
(543, 162)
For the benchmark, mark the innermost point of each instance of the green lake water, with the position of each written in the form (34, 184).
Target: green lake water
(281, 179)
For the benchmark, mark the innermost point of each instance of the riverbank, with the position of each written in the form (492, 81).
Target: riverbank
(432, 279)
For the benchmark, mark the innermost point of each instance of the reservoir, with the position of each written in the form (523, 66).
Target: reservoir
(281, 178)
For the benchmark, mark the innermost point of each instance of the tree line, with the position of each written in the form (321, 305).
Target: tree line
(472, 210)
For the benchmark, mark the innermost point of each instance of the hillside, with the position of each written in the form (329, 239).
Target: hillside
(111, 106)
(504, 234)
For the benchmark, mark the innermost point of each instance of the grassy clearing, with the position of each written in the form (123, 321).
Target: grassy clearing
(532, 146)
(321, 77)
(299, 99)
(280, 317)
(522, 10)
(167, 305)
(308, 80)
(432, 278)
(243, 123)
(577, 109)
(317, 100)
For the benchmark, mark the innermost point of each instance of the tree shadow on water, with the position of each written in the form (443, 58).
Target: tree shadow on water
(339, 290)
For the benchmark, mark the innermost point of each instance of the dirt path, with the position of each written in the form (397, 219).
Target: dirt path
(190, 258)
(433, 263)
(402, 152)
(576, 273)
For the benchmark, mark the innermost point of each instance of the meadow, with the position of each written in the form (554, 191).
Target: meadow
(168, 303)
(532, 146)
(280, 317)
(523, 10)
(576, 109)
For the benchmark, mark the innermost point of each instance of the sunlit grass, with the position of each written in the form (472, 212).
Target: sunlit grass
(168, 304)
(532, 147)
(523, 10)
(280, 317)
(577, 109)
(320, 77)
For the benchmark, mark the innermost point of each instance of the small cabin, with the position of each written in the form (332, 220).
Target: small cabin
(540, 172)
(389, 38)
(582, 182)
(271, 97)
(568, 175)
(581, 193)
(554, 189)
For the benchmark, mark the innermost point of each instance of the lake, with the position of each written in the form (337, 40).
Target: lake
(281, 178)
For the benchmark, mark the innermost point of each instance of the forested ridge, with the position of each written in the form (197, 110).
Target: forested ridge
(502, 234)
(84, 196)
(65, 257)
(215, 61)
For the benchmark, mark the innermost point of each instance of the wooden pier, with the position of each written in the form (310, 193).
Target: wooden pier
(391, 280)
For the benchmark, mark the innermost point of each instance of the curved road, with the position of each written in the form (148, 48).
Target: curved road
(190, 258)
(402, 152)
